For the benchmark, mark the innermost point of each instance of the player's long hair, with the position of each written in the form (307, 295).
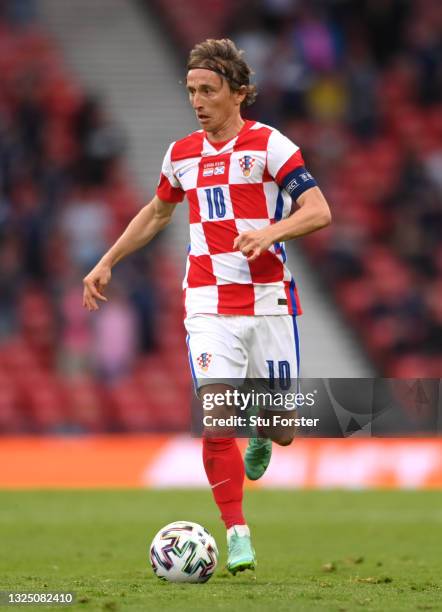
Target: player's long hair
(223, 56)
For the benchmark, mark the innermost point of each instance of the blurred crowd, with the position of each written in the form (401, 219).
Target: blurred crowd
(65, 195)
(357, 85)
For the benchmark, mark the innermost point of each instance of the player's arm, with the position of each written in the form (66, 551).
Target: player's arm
(151, 219)
(313, 214)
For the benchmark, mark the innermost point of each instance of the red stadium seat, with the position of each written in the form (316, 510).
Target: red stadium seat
(11, 416)
(18, 357)
(415, 365)
(46, 408)
(130, 408)
(85, 405)
(356, 296)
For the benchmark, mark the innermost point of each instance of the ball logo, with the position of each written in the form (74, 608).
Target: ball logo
(203, 361)
(247, 162)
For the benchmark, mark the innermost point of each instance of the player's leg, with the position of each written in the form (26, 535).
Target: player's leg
(222, 460)
(274, 359)
(225, 471)
(216, 354)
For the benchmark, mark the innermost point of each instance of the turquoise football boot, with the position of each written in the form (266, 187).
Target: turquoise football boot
(257, 457)
(241, 555)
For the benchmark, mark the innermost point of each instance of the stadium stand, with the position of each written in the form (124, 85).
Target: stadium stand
(64, 196)
(357, 86)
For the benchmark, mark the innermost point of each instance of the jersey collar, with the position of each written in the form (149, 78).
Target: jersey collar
(219, 147)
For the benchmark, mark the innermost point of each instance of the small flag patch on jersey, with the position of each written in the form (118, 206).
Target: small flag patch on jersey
(214, 168)
(247, 162)
(203, 361)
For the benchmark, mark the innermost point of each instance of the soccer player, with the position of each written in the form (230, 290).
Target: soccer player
(243, 181)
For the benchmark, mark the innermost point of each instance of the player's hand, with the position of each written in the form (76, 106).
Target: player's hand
(252, 244)
(94, 285)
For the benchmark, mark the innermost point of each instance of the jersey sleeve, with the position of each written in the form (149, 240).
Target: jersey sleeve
(169, 188)
(286, 165)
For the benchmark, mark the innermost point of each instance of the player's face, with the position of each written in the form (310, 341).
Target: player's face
(212, 99)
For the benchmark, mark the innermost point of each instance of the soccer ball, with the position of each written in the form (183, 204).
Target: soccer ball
(183, 552)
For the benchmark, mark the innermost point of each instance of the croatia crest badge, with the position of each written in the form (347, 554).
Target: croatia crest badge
(203, 361)
(247, 162)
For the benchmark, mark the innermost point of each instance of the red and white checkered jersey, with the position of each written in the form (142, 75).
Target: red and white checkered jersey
(232, 188)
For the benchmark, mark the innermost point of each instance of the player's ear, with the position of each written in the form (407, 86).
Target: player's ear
(241, 94)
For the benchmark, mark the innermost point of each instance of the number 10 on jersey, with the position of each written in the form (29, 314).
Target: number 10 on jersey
(215, 203)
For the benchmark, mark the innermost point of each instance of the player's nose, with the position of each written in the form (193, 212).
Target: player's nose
(196, 101)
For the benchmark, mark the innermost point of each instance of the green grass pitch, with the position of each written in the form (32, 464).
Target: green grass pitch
(317, 550)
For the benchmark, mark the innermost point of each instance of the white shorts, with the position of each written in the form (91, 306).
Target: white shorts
(238, 347)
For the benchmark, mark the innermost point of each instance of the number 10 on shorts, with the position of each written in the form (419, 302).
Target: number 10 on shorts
(284, 374)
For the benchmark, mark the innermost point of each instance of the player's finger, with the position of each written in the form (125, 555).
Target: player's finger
(89, 302)
(241, 240)
(88, 299)
(245, 245)
(237, 242)
(248, 245)
(91, 288)
(255, 253)
(100, 289)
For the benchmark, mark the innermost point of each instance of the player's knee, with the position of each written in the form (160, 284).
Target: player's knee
(284, 439)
